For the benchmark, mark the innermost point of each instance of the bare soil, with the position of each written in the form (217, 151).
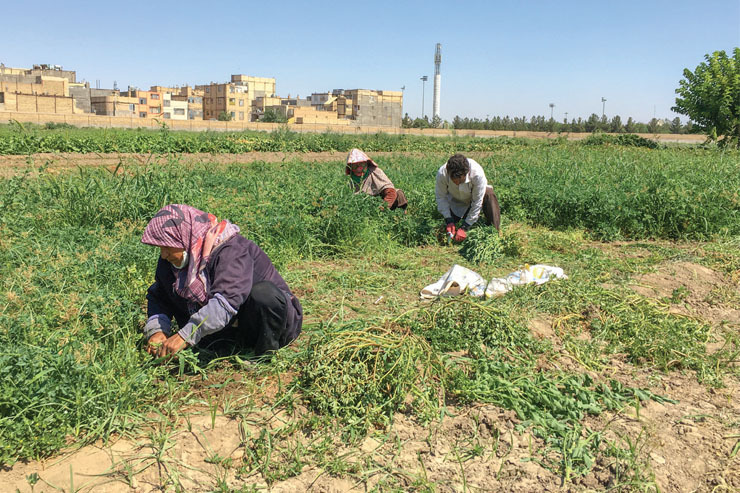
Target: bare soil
(56, 162)
(685, 446)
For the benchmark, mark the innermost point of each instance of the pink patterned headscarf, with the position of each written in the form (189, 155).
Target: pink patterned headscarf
(198, 232)
(357, 156)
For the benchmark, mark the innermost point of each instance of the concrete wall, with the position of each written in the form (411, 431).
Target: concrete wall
(52, 86)
(196, 125)
(38, 103)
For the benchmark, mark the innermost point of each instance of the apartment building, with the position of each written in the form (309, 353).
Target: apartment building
(369, 107)
(174, 107)
(235, 98)
(150, 103)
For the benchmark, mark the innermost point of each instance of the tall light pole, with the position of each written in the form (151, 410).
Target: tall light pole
(566, 117)
(423, 78)
(552, 107)
(403, 88)
(603, 106)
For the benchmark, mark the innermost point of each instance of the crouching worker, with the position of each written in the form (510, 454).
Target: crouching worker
(462, 192)
(221, 288)
(368, 178)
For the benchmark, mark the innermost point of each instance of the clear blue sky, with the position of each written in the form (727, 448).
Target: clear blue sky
(498, 57)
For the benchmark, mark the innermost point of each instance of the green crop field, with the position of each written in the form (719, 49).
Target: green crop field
(74, 275)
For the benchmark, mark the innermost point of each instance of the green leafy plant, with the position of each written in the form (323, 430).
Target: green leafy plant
(710, 96)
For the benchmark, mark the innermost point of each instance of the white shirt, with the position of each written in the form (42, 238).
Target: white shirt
(457, 199)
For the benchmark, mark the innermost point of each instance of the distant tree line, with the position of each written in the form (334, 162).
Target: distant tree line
(594, 123)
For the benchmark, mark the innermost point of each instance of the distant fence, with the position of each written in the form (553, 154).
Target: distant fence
(90, 120)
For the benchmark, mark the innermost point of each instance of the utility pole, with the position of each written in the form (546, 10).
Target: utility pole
(566, 117)
(423, 78)
(603, 106)
(552, 107)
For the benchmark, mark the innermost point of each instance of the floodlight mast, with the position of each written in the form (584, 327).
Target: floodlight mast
(423, 78)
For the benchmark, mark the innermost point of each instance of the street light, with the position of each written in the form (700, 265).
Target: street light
(552, 106)
(603, 105)
(403, 88)
(423, 78)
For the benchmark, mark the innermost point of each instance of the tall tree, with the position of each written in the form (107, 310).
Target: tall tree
(615, 126)
(676, 126)
(710, 97)
(630, 126)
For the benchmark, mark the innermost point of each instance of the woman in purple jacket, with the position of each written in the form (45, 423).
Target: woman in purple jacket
(218, 285)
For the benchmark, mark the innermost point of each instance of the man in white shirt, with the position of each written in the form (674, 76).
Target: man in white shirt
(462, 192)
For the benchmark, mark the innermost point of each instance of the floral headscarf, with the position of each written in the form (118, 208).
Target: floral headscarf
(198, 232)
(357, 156)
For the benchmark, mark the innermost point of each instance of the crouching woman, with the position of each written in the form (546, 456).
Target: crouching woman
(367, 178)
(221, 288)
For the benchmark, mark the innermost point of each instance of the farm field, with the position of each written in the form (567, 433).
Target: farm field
(624, 377)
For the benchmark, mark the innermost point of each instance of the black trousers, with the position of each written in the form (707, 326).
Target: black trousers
(260, 324)
(491, 210)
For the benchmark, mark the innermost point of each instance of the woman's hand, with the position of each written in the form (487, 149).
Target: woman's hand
(155, 343)
(172, 345)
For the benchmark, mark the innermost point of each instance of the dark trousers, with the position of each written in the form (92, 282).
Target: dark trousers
(491, 210)
(400, 200)
(260, 323)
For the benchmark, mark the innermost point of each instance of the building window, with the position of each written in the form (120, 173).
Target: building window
(231, 89)
(131, 107)
(241, 115)
(221, 100)
(166, 102)
(233, 115)
(220, 88)
(153, 110)
(208, 89)
(232, 101)
(142, 100)
(2, 97)
(241, 102)
(167, 115)
(179, 111)
(142, 115)
(154, 96)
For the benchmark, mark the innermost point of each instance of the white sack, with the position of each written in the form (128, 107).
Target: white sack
(455, 282)
(538, 274)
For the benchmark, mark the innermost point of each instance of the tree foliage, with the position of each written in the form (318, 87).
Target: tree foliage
(710, 96)
(272, 116)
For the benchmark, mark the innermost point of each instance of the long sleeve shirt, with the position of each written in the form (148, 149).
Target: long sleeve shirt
(232, 269)
(459, 199)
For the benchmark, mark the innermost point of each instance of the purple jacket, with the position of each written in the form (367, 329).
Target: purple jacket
(232, 269)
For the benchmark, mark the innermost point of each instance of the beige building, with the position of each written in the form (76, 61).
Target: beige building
(310, 115)
(235, 98)
(35, 94)
(40, 70)
(115, 105)
(372, 108)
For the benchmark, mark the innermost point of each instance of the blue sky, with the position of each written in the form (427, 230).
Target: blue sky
(498, 58)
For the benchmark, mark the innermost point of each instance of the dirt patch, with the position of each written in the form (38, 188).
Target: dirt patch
(479, 447)
(692, 289)
(56, 162)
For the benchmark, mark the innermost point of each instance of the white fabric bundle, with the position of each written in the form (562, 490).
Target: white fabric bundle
(459, 279)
